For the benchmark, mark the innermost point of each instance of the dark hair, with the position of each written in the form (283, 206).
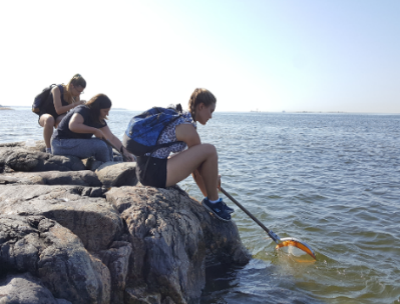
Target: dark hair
(176, 107)
(96, 103)
(200, 96)
(77, 80)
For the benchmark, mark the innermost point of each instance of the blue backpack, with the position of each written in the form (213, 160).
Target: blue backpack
(145, 129)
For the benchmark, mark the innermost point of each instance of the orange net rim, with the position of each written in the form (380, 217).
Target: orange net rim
(296, 243)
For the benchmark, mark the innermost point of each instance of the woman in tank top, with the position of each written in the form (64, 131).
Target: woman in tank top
(62, 99)
(199, 159)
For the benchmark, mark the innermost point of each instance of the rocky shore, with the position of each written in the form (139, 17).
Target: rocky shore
(82, 231)
(4, 108)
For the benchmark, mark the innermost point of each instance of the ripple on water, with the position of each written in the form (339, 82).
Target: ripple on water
(330, 180)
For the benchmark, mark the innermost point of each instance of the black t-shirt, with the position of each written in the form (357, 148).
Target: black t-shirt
(63, 131)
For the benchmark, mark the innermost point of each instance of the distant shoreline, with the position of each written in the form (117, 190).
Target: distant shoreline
(308, 112)
(245, 112)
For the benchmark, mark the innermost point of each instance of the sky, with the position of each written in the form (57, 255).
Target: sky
(265, 55)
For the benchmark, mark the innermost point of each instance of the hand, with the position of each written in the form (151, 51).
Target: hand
(99, 134)
(128, 156)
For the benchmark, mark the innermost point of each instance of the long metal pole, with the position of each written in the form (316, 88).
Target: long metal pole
(271, 234)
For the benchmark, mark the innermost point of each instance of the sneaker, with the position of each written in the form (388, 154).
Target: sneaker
(227, 208)
(48, 150)
(218, 209)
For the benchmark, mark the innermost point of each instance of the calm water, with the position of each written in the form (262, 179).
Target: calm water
(331, 180)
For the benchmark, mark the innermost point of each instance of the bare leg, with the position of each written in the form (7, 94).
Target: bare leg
(47, 122)
(199, 181)
(203, 157)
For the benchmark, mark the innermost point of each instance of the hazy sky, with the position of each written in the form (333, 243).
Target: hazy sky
(292, 55)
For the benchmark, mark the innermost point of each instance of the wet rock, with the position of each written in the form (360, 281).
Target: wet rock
(93, 220)
(113, 174)
(173, 237)
(83, 178)
(26, 289)
(56, 256)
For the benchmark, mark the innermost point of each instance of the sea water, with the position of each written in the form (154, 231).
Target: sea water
(331, 180)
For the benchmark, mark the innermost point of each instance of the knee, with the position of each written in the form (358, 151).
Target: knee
(49, 122)
(104, 146)
(210, 150)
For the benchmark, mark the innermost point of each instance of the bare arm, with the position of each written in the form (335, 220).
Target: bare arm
(116, 142)
(76, 125)
(188, 134)
(60, 109)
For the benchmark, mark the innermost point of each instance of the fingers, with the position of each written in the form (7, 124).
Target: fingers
(99, 134)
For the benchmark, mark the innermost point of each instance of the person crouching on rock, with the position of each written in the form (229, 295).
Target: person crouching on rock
(74, 133)
(201, 160)
(63, 98)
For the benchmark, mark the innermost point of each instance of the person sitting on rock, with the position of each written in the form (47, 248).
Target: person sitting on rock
(74, 133)
(62, 99)
(201, 160)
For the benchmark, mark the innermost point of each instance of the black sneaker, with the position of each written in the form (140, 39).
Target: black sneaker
(218, 209)
(227, 208)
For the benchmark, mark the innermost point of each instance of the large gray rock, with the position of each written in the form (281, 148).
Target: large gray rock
(96, 222)
(31, 145)
(21, 179)
(26, 289)
(56, 256)
(173, 236)
(82, 178)
(145, 245)
(113, 174)
(21, 159)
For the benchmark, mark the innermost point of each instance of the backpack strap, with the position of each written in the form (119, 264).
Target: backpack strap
(61, 88)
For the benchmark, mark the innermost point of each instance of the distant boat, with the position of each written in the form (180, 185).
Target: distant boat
(256, 110)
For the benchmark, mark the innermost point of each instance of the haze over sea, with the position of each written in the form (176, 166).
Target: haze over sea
(331, 180)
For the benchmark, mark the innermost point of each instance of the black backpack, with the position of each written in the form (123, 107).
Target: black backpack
(41, 99)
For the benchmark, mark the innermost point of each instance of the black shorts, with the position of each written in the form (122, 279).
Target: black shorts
(54, 116)
(152, 171)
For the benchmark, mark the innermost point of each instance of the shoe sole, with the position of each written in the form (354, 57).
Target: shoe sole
(218, 217)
